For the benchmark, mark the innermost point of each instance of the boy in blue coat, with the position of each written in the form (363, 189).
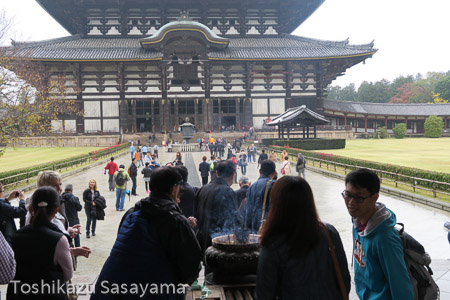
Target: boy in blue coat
(380, 270)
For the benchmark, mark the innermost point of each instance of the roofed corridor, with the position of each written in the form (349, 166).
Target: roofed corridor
(423, 223)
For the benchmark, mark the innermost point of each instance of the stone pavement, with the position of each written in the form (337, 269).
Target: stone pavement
(425, 224)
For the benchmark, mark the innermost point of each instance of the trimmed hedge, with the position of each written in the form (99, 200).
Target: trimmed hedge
(308, 144)
(359, 163)
(33, 171)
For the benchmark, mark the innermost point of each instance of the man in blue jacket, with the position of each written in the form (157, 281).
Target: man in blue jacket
(380, 270)
(255, 196)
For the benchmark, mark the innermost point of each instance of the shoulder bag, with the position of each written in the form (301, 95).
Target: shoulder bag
(266, 193)
(337, 269)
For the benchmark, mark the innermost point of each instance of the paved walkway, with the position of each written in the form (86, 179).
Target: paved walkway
(424, 223)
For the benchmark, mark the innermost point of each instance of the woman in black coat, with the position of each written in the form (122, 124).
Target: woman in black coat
(41, 252)
(295, 261)
(89, 195)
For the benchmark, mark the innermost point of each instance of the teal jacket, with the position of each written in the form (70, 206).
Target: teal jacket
(380, 270)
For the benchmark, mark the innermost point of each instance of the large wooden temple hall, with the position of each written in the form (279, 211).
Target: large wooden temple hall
(146, 65)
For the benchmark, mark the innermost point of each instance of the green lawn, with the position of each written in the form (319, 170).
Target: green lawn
(421, 153)
(26, 157)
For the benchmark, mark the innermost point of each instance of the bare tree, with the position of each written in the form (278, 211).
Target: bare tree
(30, 98)
(5, 26)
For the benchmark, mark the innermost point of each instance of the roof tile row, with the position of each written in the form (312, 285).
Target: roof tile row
(273, 47)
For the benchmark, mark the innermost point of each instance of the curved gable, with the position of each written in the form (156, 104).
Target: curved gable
(186, 30)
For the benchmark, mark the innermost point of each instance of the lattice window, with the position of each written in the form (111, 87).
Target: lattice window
(228, 106)
(143, 108)
(186, 107)
(156, 108)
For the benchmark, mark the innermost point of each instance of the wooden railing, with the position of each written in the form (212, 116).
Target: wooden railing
(395, 178)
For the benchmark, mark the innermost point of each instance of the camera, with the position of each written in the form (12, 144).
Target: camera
(17, 194)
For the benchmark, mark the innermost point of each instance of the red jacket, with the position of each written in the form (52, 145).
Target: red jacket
(111, 167)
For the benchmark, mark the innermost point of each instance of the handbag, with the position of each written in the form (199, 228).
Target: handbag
(337, 269)
(283, 172)
(266, 193)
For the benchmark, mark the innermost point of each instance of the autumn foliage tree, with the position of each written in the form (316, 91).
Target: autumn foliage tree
(30, 99)
(411, 93)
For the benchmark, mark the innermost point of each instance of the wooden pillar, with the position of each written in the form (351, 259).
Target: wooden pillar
(365, 124)
(307, 132)
(175, 116)
(345, 119)
(279, 131)
(445, 123)
(385, 122)
(238, 115)
(288, 135)
(303, 132)
(315, 131)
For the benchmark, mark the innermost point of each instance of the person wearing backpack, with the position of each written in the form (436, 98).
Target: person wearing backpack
(379, 264)
(121, 177)
(212, 167)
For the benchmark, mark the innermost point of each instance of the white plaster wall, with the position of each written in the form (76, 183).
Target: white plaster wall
(110, 108)
(258, 121)
(277, 106)
(57, 125)
(92, 125)
(71, 125)
(259, 106)
(95, 97)
(111, 125)
(92, 109)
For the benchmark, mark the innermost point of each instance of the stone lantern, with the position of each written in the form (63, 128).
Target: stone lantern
(187, 130)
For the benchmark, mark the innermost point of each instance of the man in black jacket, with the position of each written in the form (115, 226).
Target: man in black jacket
(73, 206)
(204, 169)
(217, 206)
(8, 212)
(133, 175)
(187, 199)
(262, 156)
(155, 245)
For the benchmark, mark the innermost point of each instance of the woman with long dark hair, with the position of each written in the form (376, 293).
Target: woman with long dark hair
(178, 160)
(41, 251)
(295, 260)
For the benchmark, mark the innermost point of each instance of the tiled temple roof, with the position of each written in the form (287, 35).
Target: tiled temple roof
(283, 47)
(413, 109)
(297, 114)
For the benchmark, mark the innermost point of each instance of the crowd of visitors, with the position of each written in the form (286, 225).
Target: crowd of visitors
(164, 236)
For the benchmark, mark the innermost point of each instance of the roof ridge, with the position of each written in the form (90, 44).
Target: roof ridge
(344, 44)
(383, 103)
(46, 42)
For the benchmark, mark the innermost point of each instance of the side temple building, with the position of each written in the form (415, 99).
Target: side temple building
(146, 65)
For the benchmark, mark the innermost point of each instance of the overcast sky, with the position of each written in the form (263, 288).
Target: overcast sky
(412, 35)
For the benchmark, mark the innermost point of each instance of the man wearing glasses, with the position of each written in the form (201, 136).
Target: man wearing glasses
(380, 270)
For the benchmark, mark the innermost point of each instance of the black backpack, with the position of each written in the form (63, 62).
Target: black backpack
(418, 264)
(120, 178)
